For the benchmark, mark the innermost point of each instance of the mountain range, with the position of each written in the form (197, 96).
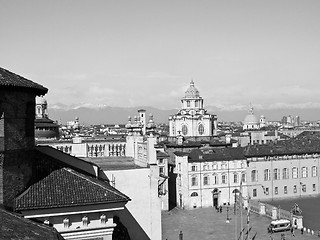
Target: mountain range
(89, 114)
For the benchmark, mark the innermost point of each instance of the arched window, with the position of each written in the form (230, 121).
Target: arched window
(266, 175)
(194, 194)
(201, 129)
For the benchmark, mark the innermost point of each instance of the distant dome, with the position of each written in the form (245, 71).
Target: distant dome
(41, 100)
(251, 119)
(192, 92)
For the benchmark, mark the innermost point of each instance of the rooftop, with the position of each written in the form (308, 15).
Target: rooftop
(10, 80)
(14, 226)
(114, 163)
(72, 189)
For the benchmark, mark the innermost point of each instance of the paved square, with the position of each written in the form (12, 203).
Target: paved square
(207, 223)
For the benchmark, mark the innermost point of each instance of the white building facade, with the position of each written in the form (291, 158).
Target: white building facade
(209, 180)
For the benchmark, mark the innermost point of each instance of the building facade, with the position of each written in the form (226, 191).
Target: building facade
(210, 179)
(284, 170)
(192, 121)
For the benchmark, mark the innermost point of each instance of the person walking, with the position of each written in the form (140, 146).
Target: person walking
(292, 231)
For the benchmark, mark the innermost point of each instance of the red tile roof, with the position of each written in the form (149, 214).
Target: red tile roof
(11, 80)
(66, 188)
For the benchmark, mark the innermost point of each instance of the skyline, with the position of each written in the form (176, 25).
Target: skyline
(143, 53)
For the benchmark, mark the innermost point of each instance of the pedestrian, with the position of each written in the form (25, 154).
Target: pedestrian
(220, 208)
(302, 231)
(292, 232)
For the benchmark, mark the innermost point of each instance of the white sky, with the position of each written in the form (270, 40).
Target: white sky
(144, 53)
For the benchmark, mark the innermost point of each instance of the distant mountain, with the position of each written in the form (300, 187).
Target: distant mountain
(110, 115)
(119, 115)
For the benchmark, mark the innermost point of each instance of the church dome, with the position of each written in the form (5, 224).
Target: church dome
(251, 119)
(192, 92)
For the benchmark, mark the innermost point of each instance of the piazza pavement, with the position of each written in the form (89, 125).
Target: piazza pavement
(207, 223)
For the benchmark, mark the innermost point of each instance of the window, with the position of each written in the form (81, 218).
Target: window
(304, 188)
(285, 189)
(215, 166)
(205, 167)
(201, 129)
(161, 170)
(276, 174)
(103, 219)
(294, 172)
(254, 192)
(184, 130)
(304, 172)
(235, 178)
(314, 187)
(276, 190)
(205, 180)
(243, 177)
(85, 221)
(254, 175)
(266, 175)
(223, 165)
(66, 223)
(179, 166)
(224, 179)
(188, 103)
(267, 191)
(196, 104)
(179, 179)
(314, 171)
(194, 194)
(215, 179)
(194, 181)
(294, 188)
(193, 168)
(285, 173)
(160, 161)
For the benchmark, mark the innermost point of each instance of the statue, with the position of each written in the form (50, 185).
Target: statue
(296, 210)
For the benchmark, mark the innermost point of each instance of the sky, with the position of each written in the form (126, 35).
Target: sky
(145, 53)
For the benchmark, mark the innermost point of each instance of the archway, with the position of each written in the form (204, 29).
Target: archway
(215, 197)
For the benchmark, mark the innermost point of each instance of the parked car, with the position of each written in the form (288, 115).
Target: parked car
(279, 225)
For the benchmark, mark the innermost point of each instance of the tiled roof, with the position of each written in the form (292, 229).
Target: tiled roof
(286, 147)
(66, 188)
(161, 154)
(11, 80)
(220, 154)
(16, 227)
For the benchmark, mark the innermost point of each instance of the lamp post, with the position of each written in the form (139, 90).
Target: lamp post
(228, 219)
